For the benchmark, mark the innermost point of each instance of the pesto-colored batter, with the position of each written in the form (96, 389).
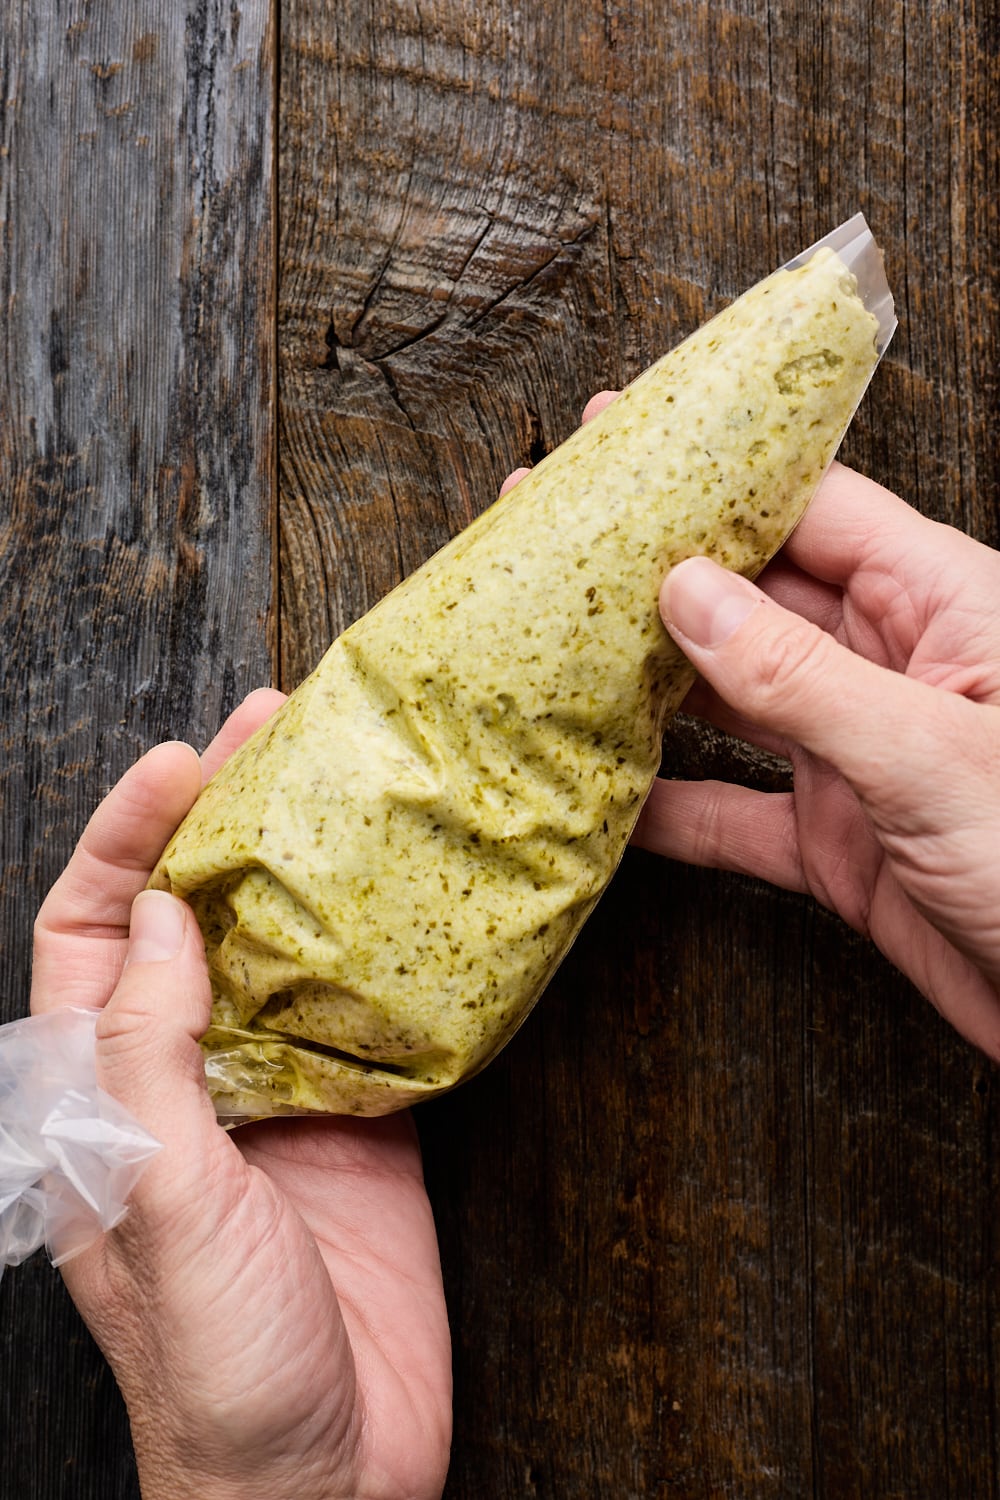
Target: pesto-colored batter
(389, 872)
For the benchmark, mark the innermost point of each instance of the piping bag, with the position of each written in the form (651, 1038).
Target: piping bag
(389, 871)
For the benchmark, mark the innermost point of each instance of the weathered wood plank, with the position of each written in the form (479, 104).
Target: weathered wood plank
(136, 275)
(720, 1221)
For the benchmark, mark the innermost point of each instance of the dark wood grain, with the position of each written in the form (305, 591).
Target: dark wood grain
(721, 1219)
(136, 275)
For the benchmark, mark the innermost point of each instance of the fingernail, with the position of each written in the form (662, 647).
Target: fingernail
(707, 603)
(156, 930)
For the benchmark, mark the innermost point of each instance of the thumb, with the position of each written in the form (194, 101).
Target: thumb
(147, 1049)
(883, 731)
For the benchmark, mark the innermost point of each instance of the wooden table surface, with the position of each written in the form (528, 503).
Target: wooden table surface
(287, 292)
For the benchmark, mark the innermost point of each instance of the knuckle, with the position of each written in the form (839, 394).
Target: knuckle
(123, 1025)
(709, 833)
(789, 664)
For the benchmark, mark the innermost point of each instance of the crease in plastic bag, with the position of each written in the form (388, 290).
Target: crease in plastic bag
(69, 1154)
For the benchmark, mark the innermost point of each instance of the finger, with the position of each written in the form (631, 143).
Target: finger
(924, 587)
(597, 403)
(512, 479)
(853, 521)
(723, 827)
(754, 833)
(255, 710)
(856, 531)
(163, 988)
(792, 588)
(886, 733)
(81, 931)
(148, 1056)
(834, 610)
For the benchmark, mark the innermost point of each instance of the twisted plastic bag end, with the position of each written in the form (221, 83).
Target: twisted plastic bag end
(69, 1153)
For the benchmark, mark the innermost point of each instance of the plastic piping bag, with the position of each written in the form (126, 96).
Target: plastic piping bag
(388, 873)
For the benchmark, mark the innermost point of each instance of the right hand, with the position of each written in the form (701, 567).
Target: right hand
(869, 657)
(873, 666)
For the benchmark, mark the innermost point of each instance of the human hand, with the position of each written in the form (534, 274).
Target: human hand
(271, 1305)
(869, 657)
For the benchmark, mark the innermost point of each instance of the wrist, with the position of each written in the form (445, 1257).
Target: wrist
(169, 1478)
(178, 1460)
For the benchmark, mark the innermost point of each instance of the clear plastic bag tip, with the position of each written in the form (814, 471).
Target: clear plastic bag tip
(69, 1153)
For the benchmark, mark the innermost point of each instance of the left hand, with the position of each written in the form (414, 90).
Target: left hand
(272, 1304)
